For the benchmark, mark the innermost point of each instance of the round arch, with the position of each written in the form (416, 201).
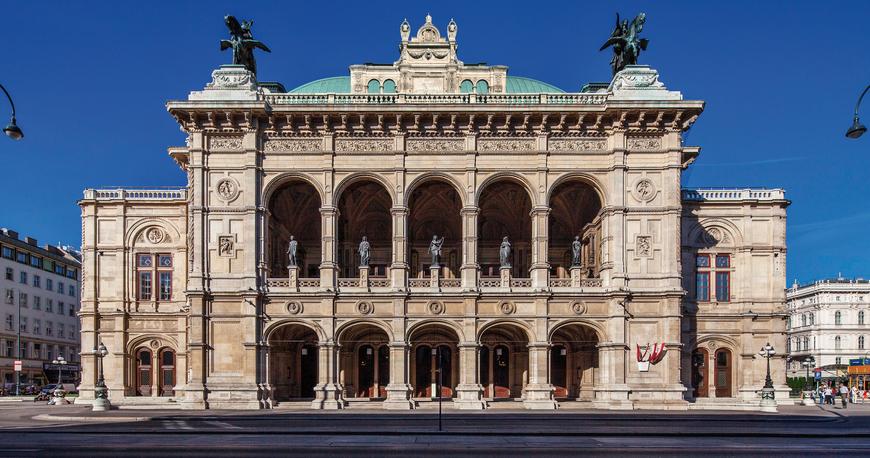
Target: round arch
(434, 322)
(584, 178)
(271, 328)
(596, 327)
(277, 182)
(358, 177)
(140, 226)
(506, 176)
(700, 228)
(504, 322)
(349, 325)
(145, 340)
(430, 177)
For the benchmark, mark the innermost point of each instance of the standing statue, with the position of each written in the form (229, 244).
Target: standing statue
(626, 43)
(364, 252)
(291, 252)
(243, 43)
(435, 249)
(575, 251)
(504, 253)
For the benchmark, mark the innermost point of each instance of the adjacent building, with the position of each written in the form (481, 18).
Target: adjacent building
(40, 305)
(828, 320)
(569, 265)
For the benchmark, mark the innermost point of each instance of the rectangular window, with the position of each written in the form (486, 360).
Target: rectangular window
(723, 286)
(165, 286)
(8, 253)
(22, 277)
(702, 286)
(10, 349)
(60, 330)
(10, 322)
(37, 281)
(60, 287)
(72, 310)
(60, 308)
(58, 269)
(21, 257)
(72, 332)
(145, 285)
(72, 290)
(48, 265)
(23, 324)
(49, 305)
(22, 299)
(49, 328)
(35, 261)
(37, 351)
(723, 260)
(37, 326)
(10, 296)
(49, 284)
(702, 261)
(10, 274)
(165, 260)
(37, 303)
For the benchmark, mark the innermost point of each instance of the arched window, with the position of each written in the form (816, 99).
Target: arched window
(466, 87)
(860, 342)
(389, 87)
(374, 87)
(482, 87)
(861, 317)
(838, 318)
(837, 342)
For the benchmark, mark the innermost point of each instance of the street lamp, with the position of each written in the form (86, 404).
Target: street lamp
(807, 364)
(59, 392)
(857, 129)
(101, 393)
(12, 130)
(768, 394)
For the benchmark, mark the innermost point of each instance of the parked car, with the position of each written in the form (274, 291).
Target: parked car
(68, 387)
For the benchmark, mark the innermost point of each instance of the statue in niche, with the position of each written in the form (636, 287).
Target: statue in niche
(626, 42)
(243, 43)
(435, 249)
(575, 251)
(292, 248)
(364, 252)
(504, 253)
(225, 247)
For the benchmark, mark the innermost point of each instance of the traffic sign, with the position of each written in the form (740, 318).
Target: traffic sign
(818, 375)
(17, 365)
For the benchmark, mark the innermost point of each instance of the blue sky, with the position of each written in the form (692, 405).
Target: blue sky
(780, 79)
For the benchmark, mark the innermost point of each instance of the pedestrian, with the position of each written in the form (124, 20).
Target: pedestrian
(844, 394)
(853, 394)
(864, 398)
(828, 395)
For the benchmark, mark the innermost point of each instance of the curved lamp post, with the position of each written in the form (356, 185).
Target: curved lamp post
(59, 392)
(12, 130)
(768, 394)
(857, 128)
(101, 393)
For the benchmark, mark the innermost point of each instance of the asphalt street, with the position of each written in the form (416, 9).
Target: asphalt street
(37, 430)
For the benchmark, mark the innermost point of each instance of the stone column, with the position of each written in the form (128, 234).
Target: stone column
(398, 390)
(540, 268)
(399, 268)
(328, 267)
(468, 391)
(327, 392)
(470, 266)
(538, 394)
(197, 354)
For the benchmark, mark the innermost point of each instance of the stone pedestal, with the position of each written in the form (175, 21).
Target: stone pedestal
(398, 389)
(538, 394)
(229, 82)
(398, 397)
(293, 276)
(364, 277)
(505, 273)
(576, 276)
(434, 273)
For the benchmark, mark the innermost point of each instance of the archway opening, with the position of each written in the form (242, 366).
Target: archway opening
(166, 361)
(434, 360)
(294, 211)
(722, 372)
(504, 361)
(434, 212)
(700, 377)
(505, 211)
(574, 362)
(364, 211)
(364, 365)
(293, 365)
(575, 215)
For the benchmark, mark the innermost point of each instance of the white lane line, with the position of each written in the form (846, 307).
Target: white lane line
(223, 425)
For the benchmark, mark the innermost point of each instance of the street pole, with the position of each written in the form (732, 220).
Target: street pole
(18, 346)
(440, 382)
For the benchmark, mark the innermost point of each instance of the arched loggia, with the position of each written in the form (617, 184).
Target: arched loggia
(575, 214)
(364, 211)
(294, 210)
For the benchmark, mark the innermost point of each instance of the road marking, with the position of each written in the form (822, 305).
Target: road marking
(223, 425)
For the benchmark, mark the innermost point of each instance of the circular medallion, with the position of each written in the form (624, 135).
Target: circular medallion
(227, 189)
(507, 307)
(578, 308)
(365, 308)
(154, 235)
(436, 308)
(294, 308)
(155, 344)
(644, 190)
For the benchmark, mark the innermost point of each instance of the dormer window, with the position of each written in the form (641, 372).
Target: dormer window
(374, 87)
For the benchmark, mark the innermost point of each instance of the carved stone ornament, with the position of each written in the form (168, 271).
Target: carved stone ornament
(577, 145)
(274, 145)
(226, 246)
(294, 308)
(712, 345)
(436, 308)
(643, 246)
(435, 145)
(365, 308)
(507, 307)
(644, 143)
(347, 145)
(506, 144)
(225, 143)
(636, 78)
(155, 344)
(232, 77)
(644, 190)
(715, 236)
(227, 189)
(578, 307)
(155, 235)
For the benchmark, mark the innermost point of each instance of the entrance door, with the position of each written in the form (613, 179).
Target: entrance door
(143, 373)
(501, 372)
(558, 371)
(383, 370)
(484, 370)
(699, 372)
(365, 372)
(167, 372)
(423, 372)
(446, 356)
(308, 371)
(723, 373)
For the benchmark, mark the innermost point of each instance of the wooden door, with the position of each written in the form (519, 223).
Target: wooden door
(365, 387)
(723, 373)
(167, 372)
(423, 372)
(558, 371)
(484, 370)
(501, 369)
(700, 359)
(445, 354)
(383, 370)
(307, 371)
(143, 373)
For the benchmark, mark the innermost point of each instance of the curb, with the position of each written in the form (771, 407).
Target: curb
(49, 417)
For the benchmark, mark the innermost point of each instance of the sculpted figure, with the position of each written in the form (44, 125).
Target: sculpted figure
(364, 252)
(292, 247)
(626, 42)
(504, 253)
(575, 251)
(435, 249)
(243, 43)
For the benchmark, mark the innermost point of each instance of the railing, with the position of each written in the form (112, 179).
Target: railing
(701, 195)
(560, 282)
(591, 283)
(419, 282)
(277, 283)
(450, 283)
(489, 282)
(379, 282)
(348, 282)
(136, 194)
(436, 99)
(521, 282)
(309, 283)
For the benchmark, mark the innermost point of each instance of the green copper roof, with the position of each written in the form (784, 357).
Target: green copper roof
(341, 85)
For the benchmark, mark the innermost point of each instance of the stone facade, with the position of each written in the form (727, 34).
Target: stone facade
(247, 329)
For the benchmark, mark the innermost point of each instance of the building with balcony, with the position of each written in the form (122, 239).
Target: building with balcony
(828, 320)
(618, 289)
(40, 287)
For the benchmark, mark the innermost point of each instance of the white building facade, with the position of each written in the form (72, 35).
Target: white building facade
(40, 287)
(828, 320)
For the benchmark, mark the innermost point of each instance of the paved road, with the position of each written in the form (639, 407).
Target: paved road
(74, 431)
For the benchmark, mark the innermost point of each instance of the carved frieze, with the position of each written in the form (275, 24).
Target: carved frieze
(644, 143)
(435, 145)
(363, 145)
(506, 144)
(287, 145)
(225, 143)
(572, 145)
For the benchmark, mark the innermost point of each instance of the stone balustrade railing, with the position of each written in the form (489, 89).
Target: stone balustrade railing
(705, 195)
(435, 99)
(136, 194)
